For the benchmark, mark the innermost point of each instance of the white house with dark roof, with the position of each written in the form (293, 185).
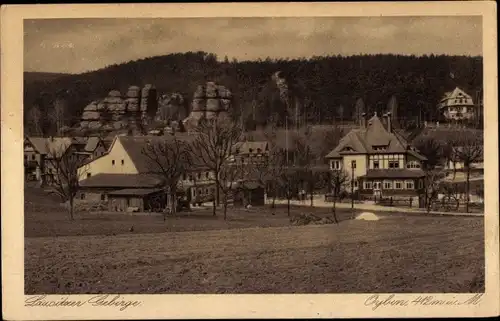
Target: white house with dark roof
(457, 105)
(124, 166)
(381, 161)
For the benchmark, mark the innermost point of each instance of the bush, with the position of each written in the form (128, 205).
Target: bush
(307, 219)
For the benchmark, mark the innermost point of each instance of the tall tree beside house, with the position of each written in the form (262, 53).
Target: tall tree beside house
(213, 146)
(171, 158)
(432, 186)
(467, 149)
(359, 109)
(64, 167)
(58, 114)
(432, 149)
(338, 181)
(35, 120)
(231, 173)
(304, 161)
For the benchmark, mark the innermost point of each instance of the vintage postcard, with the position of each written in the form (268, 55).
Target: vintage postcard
(257, 160)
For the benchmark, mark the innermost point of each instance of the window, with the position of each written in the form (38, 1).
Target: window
(190, 177)
(420, 183)
(33, 157)
(355, 184)
(393, 164)
(194, 191)
(387, 185)
(259, 150)
(250, 150)
(113, 162)
(353, 164)
(123, 161)
(410, 185)
(88, 175)
(82, 196)
(207, 174)
(335, 164)
(199, 175)
(184, 177)
(25, 157)
(368, 185)
(413, 164)
(103, 197)
(376, 164)
(206, 191)
(399, 185)
(376, 185)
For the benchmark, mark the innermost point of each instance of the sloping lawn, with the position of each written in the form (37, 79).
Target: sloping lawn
(395, 254)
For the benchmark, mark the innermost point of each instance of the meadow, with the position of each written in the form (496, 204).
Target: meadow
(253, 252)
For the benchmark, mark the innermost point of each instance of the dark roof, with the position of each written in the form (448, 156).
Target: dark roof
(123, 181)
(394, 173)
(136, 191)
(364, 141)
(53, 145)
(134, 146)
(245, 147)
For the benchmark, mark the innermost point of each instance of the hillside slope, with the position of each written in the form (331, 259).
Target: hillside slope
(326, 87)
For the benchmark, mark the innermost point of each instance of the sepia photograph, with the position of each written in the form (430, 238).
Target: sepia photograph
(254, 155)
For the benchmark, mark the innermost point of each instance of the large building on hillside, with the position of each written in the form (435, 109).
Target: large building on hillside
(381, 161)
(457, 105)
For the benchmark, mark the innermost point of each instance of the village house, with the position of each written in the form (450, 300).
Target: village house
(250, 152)
(125, 167)
(457, 105)
(381, 162)
(89, 148)
(38, 152)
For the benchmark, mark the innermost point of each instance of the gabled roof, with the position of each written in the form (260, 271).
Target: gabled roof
(455, 93)
(136, 191)
(134, 146)
(86, 144)
(365, 140)
(50, 145)
(245, 147)
(122, 181)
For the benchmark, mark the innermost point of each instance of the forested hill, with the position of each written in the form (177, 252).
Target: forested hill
(326, 87)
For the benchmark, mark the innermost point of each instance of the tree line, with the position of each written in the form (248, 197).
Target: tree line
(320, 89)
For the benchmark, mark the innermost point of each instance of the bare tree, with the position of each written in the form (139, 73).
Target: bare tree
(338, 179)
(432, 187)
(65, 169)
(467, 149)
(35, 118)
(57, 114)
(214, 144)
(171, 158)
(229, 176)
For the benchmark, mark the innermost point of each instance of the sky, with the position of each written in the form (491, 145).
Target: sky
(80, 45)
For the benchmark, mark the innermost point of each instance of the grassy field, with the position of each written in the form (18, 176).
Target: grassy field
(396, 254)
(45, 217)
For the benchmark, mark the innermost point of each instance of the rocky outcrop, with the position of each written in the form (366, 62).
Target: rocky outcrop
(210, 101)
(171, 107)
(115, 111)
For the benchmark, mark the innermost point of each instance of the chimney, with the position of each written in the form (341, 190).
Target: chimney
(389, 122)
(363, 120)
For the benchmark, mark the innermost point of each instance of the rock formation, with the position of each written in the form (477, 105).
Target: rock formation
(171, 107)
(133, 110)
(210, 101)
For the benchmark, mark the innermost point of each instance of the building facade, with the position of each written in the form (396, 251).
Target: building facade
(457, 105)
(378, 161)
